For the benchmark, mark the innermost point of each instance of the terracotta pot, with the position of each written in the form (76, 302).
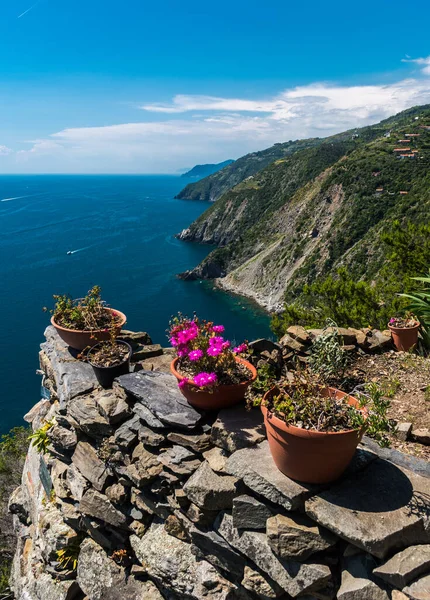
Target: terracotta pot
(79, 339)
(404, 338)
(222, 396)
(310, 456)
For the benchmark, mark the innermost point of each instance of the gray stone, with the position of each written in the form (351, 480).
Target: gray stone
(145, 352)
(258, 471)
(197, 442)
(76, 482)
(422, 436)
(98, 505)
(89, 464)
(296, 536)
(160, 394)
(145, 470)
(37, 413)
(213, 548)
(209, 490)
(104, 535)
(58, 478)
(420, 589)
(294, 577)
(126, 435)
(300, 334)
(171, 563)
(201, 517)
(149, 437)
(159, 364)
(407, 461)
(217, 459)
(405, 566)
(102, 579)
(396, 595)
(62, 438)
(45, 587)
(112, 406)
(176, 455)
(134, 338)
(72, 377)
(403, 430)
(117, 493)
(380, 509)
(147, 417)
(84, 411)
(263, 345)
(377, 341)
(53, 533)
(238, 428)
(145, 502)
(287, 341)
(249, 513)
(357, 581)
(263, 587)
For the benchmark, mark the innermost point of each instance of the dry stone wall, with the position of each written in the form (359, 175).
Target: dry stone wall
(156, 500)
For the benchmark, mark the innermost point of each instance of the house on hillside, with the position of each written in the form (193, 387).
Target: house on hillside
(409, 135)
(401, 150)
(403, 193)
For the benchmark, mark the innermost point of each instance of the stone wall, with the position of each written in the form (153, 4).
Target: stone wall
(160, 501)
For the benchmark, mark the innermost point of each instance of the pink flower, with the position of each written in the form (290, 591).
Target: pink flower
(218, 328)
(195, 354)
(217, 340)
(186, 335)
(182, 352)
(214, 350)
(205, 379)
(182, 383)
(174, 341)
(226, 345)
(240, 349)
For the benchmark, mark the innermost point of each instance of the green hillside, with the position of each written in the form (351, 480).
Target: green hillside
(323, 207)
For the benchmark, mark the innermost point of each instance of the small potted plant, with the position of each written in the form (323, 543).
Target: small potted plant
(81, 323)
(210, 373)
(110, 359)
(404, 331)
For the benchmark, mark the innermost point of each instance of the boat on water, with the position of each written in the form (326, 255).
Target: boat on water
(69, 252)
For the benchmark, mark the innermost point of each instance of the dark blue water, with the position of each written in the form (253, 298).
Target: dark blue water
(121, 230)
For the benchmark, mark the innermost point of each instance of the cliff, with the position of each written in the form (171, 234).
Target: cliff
(200, 171)
(305, 215)
(139, 496)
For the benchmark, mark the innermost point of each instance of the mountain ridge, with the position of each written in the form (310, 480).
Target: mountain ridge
(206, 170)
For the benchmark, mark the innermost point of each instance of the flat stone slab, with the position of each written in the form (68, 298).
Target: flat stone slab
(407, 461)
(237, 428)
(209, 490)
(72, 377)
(249, 513)
(160, 394)
(420, 589)
(357, 581)
(380, 509)
(90, 466)
(258, 471)
(405, 566)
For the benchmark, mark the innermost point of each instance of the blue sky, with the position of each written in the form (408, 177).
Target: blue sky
(131, 87)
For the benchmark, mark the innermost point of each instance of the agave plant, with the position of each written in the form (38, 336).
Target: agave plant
(419, 304)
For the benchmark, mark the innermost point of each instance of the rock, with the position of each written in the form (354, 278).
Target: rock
(147, 503)
(209, 490)
(258, 471)
(126, 435)
(377, 341)
(300, 334)
(357, 581)
(420, 589)
(181, 498)
(53, 533)
(58, 478)
(102, 579)
(201, 517)
(112, 406)
(376, 509)
(37, 414)
(403, 430)
(149, 437)
(45, 587)
(405, 566)
(135, 338)
(407, 461)
(117, 493)
(263, 345)
(72, 377)
(212, 547)
(295, 578)
(263, 587)
(396, 595)
(422, 436)
(76, 482)
(289, 343)
(160, 394)
(84, 411)
(315, 333)
(62, 438)
(175, 455)
(145, 470)
(175, 527)
(159, 364)
(171, 563)
(147, 417)
(145, 352)
(98, 505)
(217, 459)
(16, 504)
(249, 513)
(90, 466)
(237, 428)
(197, 442)
(296, 536)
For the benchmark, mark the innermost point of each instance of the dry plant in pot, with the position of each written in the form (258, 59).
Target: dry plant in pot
(404, 331)
(82, 322)
(210, 373)
(110, 359)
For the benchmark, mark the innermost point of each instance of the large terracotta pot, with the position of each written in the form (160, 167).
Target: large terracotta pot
(222, 396)
(79, 339)
(404, 338)
(306, 455)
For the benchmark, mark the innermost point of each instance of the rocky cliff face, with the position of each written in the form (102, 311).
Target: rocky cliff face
(307, 214)
(154, 500)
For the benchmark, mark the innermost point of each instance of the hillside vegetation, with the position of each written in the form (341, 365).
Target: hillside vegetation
(205, 170)
(331, 205)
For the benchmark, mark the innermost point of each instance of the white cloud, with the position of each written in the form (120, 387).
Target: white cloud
(420, 61)
(4, 150)
(199, 128)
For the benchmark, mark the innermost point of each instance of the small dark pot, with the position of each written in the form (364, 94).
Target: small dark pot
(106, 375)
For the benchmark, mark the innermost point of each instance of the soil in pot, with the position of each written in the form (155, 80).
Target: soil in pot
(222, 395)
(404, 333)
(81, 339)
(109, 361)
(311, 455)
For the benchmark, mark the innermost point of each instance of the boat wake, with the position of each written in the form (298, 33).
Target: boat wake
(80, 249)
(17, 198)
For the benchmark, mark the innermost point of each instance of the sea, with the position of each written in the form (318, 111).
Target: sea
(120, 231)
